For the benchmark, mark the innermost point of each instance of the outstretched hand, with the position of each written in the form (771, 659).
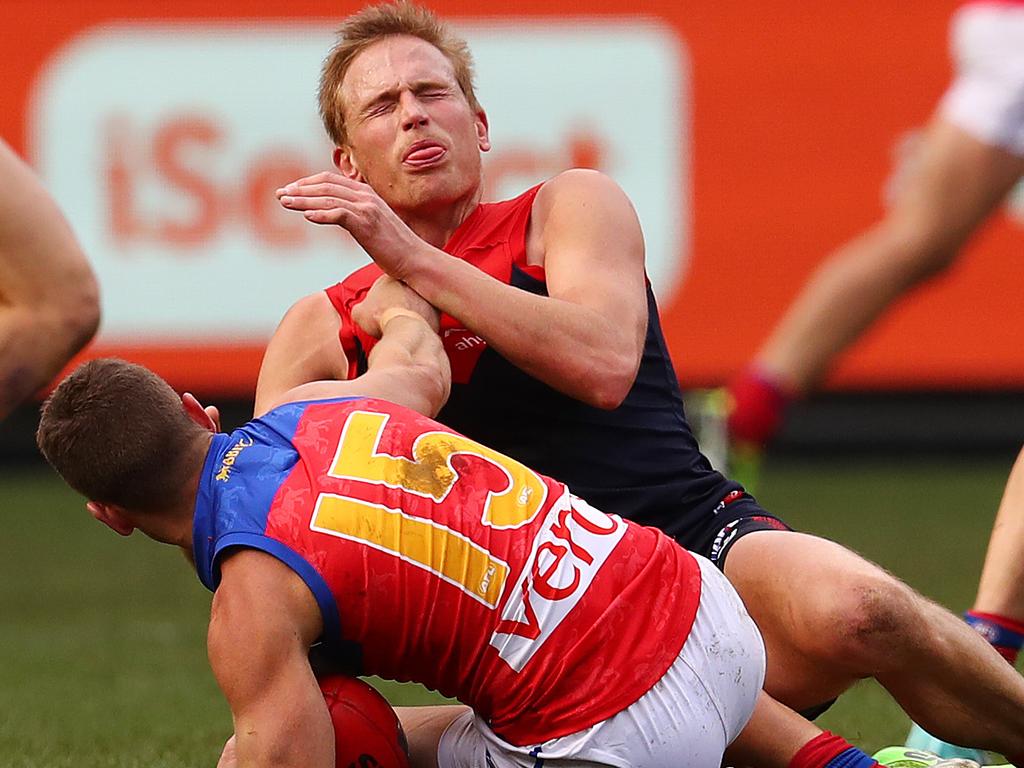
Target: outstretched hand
(330, 198)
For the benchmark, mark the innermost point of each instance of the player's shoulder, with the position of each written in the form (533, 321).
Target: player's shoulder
(580, 188)
(582, 195)
(310, 309)
(576, 181)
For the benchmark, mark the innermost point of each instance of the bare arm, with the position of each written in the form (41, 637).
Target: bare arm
(49, 300)
(584, 339)
(304, 348)
(263, 621)
(407, 366)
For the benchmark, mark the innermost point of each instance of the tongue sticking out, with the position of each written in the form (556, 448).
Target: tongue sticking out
(425, 155)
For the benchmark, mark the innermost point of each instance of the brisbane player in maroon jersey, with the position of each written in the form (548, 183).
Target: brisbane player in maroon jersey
(413, 553)
(559, 361)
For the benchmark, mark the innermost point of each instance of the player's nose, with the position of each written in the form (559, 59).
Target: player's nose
(413, 113)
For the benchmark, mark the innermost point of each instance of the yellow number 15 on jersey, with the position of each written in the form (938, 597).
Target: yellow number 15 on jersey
(429, 474)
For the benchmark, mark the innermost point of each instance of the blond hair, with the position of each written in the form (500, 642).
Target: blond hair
(377, 22)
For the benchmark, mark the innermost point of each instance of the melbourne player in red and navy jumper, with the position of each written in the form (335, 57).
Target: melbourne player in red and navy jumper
(450, 564)
(639, 460)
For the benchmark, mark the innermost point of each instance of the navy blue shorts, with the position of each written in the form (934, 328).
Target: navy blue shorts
(712, 533)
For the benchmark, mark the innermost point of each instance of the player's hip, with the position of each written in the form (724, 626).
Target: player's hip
(686, 719)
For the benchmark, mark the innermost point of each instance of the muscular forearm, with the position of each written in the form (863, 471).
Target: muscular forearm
(408, 366)
(283, 745)
(262, 622)
(568, 346)
(410, 350)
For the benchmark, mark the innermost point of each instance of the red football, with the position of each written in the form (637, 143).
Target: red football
(367, 733)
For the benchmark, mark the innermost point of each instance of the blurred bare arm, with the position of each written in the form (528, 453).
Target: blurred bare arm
(49, 298)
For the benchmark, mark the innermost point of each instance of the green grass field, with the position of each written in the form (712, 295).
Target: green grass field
(102, 655)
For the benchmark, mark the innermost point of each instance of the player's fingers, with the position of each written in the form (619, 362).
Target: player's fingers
(338, 216)
(316, 178)
(325, 189)
(313, 203)
(325, 177)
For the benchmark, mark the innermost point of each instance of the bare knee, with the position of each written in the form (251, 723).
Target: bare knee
(874, 620)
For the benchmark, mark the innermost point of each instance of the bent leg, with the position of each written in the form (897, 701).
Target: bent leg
(1001, 588)
(829, 617)
(955, 184)
(998, 610)
(771, 737)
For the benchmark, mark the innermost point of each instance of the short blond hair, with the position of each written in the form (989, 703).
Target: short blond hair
(376, 23)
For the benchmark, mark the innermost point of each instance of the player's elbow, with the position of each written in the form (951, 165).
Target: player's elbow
(605, 397)
(81, 311)
(280, 749)
(61, 322)
(68, 310)
(607, 383)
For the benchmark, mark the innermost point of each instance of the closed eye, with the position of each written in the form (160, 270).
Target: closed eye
(380, 108)
(433, 93)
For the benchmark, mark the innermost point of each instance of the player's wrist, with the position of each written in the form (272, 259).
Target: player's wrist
(428, 272)
(391, 313)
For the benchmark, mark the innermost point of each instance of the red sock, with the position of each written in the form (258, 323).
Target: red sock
(758, 405)
(826, 750)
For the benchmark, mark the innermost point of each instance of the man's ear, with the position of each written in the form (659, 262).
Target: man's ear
(346, 164)
(112, 516)
(207, 418)
(483, 136)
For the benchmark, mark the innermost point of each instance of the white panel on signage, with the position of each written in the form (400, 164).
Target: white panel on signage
(164, 143)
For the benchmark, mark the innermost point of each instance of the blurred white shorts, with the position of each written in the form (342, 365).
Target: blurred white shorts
(685, 721)
(986, 98)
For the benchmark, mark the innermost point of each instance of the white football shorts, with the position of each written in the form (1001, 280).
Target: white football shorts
(986, 98)
(685, 721)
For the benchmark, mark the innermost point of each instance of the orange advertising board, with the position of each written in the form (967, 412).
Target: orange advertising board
(753, 137)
